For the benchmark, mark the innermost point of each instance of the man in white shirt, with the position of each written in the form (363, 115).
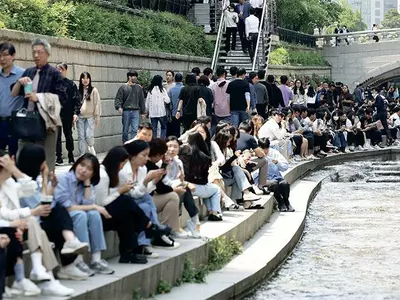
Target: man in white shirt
(252, 23)
(257, 5)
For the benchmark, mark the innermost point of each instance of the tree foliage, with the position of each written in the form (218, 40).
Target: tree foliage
(351, 19)
(304, 15)
(164, 31)
(391, 19)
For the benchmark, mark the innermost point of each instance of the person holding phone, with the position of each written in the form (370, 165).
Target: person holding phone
(127, 218)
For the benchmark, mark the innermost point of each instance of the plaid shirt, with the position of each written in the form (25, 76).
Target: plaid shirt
(50, 81)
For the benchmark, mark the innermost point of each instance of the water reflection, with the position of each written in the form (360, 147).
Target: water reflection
(351, 245)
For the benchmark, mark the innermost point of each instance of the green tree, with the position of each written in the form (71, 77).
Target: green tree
(304, 15)
(391, 19)
(351, 19)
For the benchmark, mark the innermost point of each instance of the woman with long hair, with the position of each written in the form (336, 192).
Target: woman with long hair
(232, 173)
(176, 177)
(190, 97)
(23, 225)
(145, 182)
(128, 219)
(196, 159)
(258, 122)
(299, 93)
(156, 99)
(90, 113)
(76, 192)
(58, 224)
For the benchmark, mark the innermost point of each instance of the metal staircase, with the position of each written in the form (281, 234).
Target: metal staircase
(240, 59)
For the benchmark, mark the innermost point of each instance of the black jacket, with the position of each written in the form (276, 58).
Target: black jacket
(74, 101)
(161, 187)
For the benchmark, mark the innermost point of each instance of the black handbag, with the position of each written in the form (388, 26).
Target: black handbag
(27, 125)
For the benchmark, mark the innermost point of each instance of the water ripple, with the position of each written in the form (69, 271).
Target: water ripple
(351, 245)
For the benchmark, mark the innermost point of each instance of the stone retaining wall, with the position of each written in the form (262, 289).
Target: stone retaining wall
(108, 66)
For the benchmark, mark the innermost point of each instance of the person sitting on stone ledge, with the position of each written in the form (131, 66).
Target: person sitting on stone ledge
(176, 177)
(58, 225)
(75, 191)
(127, 218)
(165, 197)
(144, 183)
(145, 133)
(276, 183)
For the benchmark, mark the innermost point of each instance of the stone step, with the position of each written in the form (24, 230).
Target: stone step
(386, 173)
(385, 168)
(385, 163)
(383, 179)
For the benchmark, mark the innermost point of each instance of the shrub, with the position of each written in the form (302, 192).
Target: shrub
(164, 31)
(279, 56)
(296, 57)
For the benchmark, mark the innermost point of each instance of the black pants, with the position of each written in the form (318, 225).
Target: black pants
(298, 140)
(174, 127)
(321, 140)
(188, 202)
(310, 138)
(281, 190)
(355, 139)
(262, 110)
(375, 136)
(6, 140)
(3, 264)
(252, 44)
(383, 118)
(66, 119)
(258, 12)
(54, 224)
(230, 31)
(188, 120)
(242, 34)
(14, 249)
(128, 219)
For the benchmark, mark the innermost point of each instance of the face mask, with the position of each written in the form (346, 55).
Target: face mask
(335, 118)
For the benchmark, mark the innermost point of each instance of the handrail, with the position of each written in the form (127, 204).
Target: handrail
(358, 33)
(218, 41)
(260, 32)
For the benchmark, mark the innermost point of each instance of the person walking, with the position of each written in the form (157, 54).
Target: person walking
(89, 117)
(43, 84)
(243, 10)
(257, 5)
(9, 74)
(252, 24)
(231, 21)
(129, 102)
(221, 105)
(174, 127)
(169, 78)
(156, 99)
(261, 95)
(69, 116)
(238, 92)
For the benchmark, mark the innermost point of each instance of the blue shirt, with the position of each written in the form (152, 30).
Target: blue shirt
(69, 191)
(174, 96)
(7, 102)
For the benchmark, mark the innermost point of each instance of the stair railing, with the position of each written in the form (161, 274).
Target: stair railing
(218, 41)
(261, 31)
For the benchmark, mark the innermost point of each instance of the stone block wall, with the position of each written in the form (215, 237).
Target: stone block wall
(108, 66)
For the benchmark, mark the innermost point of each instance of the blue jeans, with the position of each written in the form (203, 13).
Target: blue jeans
(130, 118)
(339, 140)
(239, 182)
(211, 195)
(88, 228)
(163, 122)
(146, 203)
(238, 116)
(85, 133)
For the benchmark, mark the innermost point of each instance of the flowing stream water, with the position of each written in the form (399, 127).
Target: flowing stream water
(351, 243)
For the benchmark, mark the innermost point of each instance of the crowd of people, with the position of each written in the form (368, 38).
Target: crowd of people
(225, 141)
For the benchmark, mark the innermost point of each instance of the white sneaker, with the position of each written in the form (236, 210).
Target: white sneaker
(368, 147)
(351, 148)
(74, 247)
(26, 287)
(91, 150)
(71, 272)
(10, 293)
(376, 147)
(39, 276)
(179, 235)
(249, 196)
(257, 190)
(55, 288)
(358, 148)
(193, 230)
(323, 152)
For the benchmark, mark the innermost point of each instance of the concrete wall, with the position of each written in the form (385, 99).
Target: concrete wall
(294, 71)
(108, 66)
(351, 63)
